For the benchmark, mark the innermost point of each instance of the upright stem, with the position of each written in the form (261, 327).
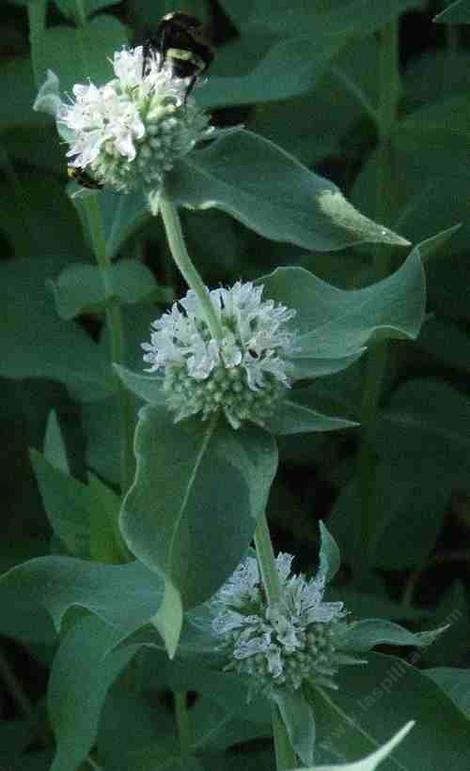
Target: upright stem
(285, 754)
(389, 91)
(174, 234)
(116, 333)
(266, 561)
(183, 722)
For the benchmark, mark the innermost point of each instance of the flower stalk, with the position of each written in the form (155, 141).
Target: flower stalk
(176, 242)
(389, 88)
(116, 333)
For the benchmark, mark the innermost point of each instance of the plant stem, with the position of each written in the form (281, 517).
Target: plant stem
(389, 90)
(266, 561)
(116, 333)
(183, 722)
(285, 755)
(21, 698)
(174, 234)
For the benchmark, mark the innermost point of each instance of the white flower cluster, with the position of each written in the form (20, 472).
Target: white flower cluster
(131, 130)
(282, 646)
(244, 373)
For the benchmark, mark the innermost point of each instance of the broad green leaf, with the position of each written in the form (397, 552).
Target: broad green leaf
(330, 557)
(35, 343)
(55, 451)
(370, 700)
(289, 68)
(147, 387)
(80, 287)
(455, 683)
(298, 717)
(123, 596)
(371, 762)
(294, 418)
(305, 367)
(337, 20)
(171, 519)
(457, 12)
(216, 728)
(302, 208)
(76, 693)
(78, 10)
(450, 115)
(335, 323)
(106, 544)
(362, 636)
(121, 215)
(91, 46)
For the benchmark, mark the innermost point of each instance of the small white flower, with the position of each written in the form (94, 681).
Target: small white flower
(244, 373)
(130, 131)
(283, 645)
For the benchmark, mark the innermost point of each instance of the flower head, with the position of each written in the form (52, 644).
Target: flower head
(128, 132)
(280, 646)
(243, 373)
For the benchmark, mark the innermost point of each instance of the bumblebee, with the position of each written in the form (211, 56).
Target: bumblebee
(82, 178)
(180, 43)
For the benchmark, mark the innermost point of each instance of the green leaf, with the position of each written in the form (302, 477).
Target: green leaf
(335, 19)
(455, 13)
(122, 215)
(35, 343)
(356, 719)
(80, 288)
(147, 387)
(330, 557)
(55, 451)
(297, 715)
(294, 418)
(455, 683)
(362, 636)
(233, 174)
(289, 68)
(371, 762)
(335, 323)
(91, 44)
(123, 596)
(76, 693)
(78, 10)
(67, 503)
(171, 519)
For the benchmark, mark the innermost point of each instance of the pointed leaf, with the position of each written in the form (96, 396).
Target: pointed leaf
(330, 558)
(147, 387)
(297, 715)
(76, 693)
(371, 762)
(294, 418)
(198, 491)
(234, 173)
(54, 447)
(362, 636)
(124, 596)
(334, 323)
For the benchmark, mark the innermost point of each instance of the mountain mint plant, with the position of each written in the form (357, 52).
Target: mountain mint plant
(160, 480)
